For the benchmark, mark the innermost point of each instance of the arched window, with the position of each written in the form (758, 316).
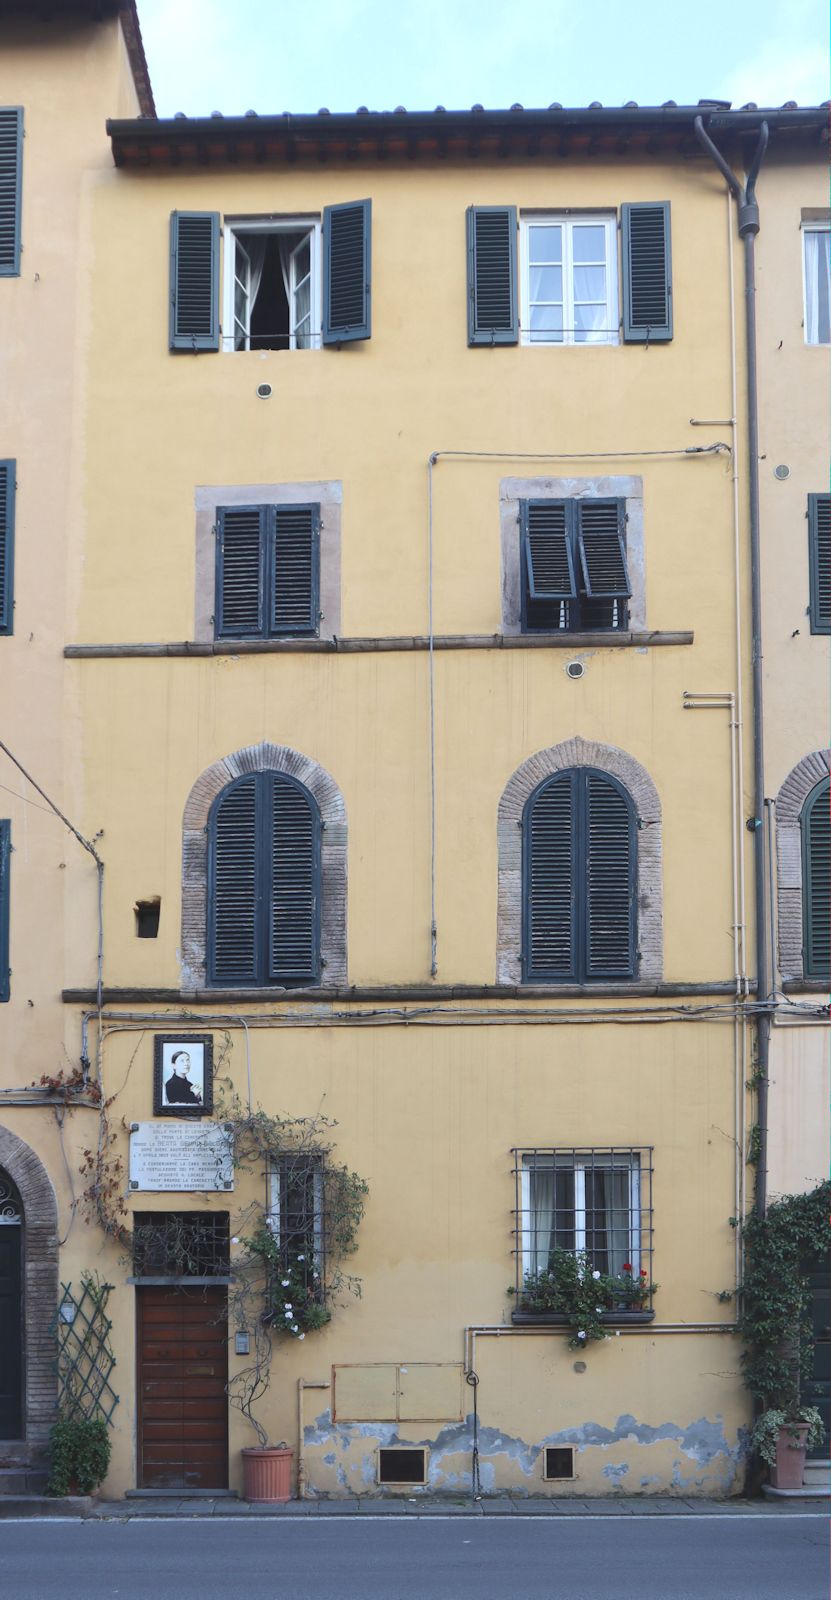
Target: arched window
(816, 882)
(264, 883)
(579, 873)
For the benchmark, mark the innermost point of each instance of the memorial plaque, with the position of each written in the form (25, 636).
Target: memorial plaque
(173, 1156)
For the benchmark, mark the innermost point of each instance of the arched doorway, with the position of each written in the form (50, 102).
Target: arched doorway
(32, 1244)
(11, 1310)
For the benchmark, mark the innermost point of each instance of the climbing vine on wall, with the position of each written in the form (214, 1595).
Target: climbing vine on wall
(780, 1249)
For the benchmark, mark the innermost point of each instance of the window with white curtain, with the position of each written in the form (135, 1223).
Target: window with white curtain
(597, 1201)
(569, 280)
(816, 246)
(272, 295)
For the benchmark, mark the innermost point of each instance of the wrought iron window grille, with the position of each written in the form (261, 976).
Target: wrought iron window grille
(593, 1201)
(181, 1244)
(296, 1216)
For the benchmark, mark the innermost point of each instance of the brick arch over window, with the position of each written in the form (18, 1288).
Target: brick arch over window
(263, 757)
(789, 806)
(40, 1286)
(635, 779)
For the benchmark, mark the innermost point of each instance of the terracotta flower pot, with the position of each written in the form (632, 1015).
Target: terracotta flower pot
(791, 1445)
(267, 1473)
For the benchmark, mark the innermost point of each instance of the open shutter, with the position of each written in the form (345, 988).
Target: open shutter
(11, 181)
(819, 538)
(492, 316)
(194, 280)
(294, 569)
(609, 853)
(293, 910)
(602, 549)
(240, 601)
(647, 273)
(347, 271)
(549, 563)
(7, 495)
(5, 856)
(549, 882)
(816, 882)
(232, 896)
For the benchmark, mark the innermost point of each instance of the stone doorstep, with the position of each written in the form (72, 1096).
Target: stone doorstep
(809, 1491)
(817, 1473)
(41, 1505)
(22, 1479)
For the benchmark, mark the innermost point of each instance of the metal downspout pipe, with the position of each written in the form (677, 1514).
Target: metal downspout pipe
(748, 228)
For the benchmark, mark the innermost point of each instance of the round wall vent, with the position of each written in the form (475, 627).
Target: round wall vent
(575, 669)
(781, 473)
(263, 390)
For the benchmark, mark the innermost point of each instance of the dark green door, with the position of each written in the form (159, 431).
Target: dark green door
(11, 1341)
(818, 1390)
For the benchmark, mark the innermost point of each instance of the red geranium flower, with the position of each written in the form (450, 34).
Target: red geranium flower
(627, 1266)
(643, 1272)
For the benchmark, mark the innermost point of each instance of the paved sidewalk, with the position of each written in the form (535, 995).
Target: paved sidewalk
(444, 1506)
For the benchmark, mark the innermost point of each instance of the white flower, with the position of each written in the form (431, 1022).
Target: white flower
(301, 1258)
(235, 1240)
(289, 1312)
(598, 1309)
(581, 1335)
(595, 1275)
(302, 1335)
(286, 1282)
(617, 1334)
(294, 1328)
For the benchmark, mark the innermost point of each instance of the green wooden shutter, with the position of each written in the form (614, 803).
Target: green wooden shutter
(492, 316)
(240, 598)
(549, 882)
(816, 882)
(602, 549)
(5, 858)
(11, 185)
(647, 273)
(609, 854)
(819, 549)
(194, 280)
(234, 914)
(294, 587)
(293, 936)
(347, 272)
(549, 564)
(7, 498)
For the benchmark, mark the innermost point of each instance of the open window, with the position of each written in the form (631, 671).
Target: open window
(272, 285)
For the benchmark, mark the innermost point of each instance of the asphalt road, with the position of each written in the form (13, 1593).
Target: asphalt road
(582, 1558)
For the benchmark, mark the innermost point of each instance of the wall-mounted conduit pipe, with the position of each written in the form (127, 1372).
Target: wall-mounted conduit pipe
(748, 228)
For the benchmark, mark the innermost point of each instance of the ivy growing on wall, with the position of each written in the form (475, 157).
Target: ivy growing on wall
(780, 1249)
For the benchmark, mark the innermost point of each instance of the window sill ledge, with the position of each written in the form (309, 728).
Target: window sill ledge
(556, 1319)
(217, 1282)
(601, 640)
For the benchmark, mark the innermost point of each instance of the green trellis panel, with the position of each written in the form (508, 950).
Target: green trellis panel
(85, 1360)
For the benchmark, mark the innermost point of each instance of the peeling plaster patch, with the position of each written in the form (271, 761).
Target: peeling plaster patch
(616, 1474)
(330, 1458)
(343, 1481)
(645, 1482)
(703, 1441)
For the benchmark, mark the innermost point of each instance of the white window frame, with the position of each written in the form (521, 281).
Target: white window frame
(568, 220)
(818, 225)
(310, 225)
(527, 1233)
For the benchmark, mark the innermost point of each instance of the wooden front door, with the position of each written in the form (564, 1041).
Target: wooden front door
(11, 1333)
(182, 1398)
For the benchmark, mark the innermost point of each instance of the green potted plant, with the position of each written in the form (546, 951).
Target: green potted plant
(81, 1452)
(572, 1291)
(783, 1439)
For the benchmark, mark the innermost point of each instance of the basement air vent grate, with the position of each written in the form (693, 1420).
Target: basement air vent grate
(559, 1461)
(402, 1466)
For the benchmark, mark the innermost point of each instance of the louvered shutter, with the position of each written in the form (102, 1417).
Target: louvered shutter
(233, 901)
(240, 603)
(5, 856)
(549, 564)
(549, 945)
(347, 272)
(492, 316)
(7, 497)
(819, 539)
(194, 280)
(647, 273)
(294, 569)
(602, 550)
(816, 882)
(294, 868)
(11, 182)
(609, 856)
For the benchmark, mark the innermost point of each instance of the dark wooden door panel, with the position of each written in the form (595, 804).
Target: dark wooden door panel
(182, 1376)
(11, 1341)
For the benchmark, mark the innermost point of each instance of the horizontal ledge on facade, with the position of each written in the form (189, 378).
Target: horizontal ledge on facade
(392, 991)
(556, 1319)
(358, 645)
(806, 986)
(48, 1097)
(215, 1282)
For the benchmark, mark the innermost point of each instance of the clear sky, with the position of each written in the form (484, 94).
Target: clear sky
(272, 56)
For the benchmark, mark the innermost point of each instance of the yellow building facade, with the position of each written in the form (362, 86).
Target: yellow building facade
(321, 641)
